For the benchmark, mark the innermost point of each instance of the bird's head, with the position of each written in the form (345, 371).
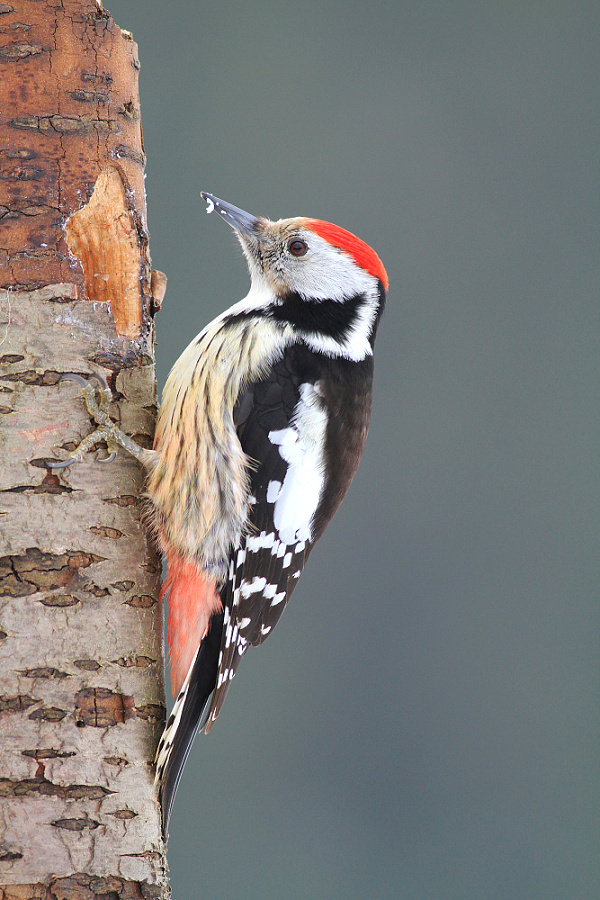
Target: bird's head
(315, 268)
(306, 256)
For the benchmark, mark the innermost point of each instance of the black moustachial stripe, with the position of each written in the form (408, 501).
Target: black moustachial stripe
(331, 318)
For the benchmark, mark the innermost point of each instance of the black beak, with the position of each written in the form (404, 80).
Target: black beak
(237, 218)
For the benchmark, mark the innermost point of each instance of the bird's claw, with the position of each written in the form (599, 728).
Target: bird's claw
(108, 458)
(60, 464)
(106, 430)
(98, 410)
(74, 376)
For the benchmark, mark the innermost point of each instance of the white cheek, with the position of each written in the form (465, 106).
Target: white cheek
(328, 273)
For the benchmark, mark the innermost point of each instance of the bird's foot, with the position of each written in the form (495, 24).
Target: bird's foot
(106, 430)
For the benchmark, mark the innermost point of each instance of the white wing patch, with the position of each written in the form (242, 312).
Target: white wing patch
(301, 445)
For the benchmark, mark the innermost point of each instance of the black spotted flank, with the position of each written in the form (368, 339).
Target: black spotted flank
(331, 318)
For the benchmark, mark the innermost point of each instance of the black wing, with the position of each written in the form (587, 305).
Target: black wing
(303, 426)
(265, 568)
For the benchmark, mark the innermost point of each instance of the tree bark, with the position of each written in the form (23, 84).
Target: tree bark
(81, 656)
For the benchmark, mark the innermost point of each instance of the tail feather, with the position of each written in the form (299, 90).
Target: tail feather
(186, 717)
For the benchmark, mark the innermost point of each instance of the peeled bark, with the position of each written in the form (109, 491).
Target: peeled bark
(81, 657)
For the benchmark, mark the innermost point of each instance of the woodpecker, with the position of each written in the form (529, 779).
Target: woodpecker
(260, 431)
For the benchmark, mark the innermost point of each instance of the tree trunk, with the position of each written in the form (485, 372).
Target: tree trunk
(81, 663)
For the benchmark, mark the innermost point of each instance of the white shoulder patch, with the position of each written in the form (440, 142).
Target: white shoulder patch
(301, 445)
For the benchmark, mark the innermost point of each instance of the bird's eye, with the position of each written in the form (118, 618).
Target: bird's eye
(297, 247)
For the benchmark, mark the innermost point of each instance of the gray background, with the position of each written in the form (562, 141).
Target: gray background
(424, 724)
